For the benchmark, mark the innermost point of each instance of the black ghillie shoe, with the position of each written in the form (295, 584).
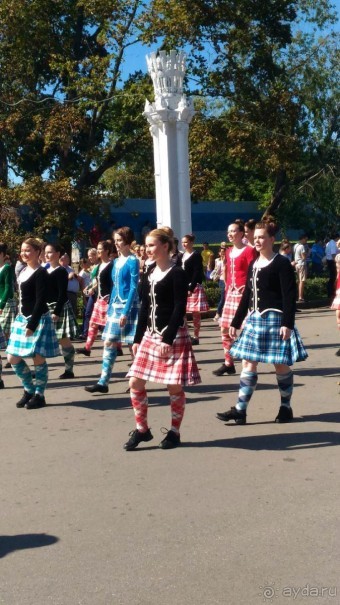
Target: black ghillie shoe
(2, 385)
(240, 416)
(337, 353)
(285, 414)
(195, 341)
(170, 441)
(37, 401)
(83, 351)
(66, 374)
(136, 437)
(24, 399)
(223, 369)
(97, 388)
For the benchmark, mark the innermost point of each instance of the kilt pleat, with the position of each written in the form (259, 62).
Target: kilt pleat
(260, 341)
(232, 301)
(66, 326)
(8, 315)
(113, 332)
(99, 313)
(197, 300)
(178, 367)
(42, 342)
(336, 302)
(3, 341)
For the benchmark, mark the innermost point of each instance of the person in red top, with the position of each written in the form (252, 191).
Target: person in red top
(238, 258)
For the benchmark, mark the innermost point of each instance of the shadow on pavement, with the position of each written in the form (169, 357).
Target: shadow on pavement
(284, 442)
(9, 544)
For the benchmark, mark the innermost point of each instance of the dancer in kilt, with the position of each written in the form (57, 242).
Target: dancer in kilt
(269, 334)
(197, 302)
(238, 258)
(122, 312)
(8, 306)
(60, 307)
(104, 287)
(33, 333)
(162, 346)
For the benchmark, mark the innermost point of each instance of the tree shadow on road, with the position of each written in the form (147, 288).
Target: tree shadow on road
(284, 442)
(9, 544)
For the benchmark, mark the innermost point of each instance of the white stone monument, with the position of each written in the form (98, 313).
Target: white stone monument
(169, 118)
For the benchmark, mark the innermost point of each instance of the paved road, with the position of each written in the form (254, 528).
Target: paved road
(237, 515)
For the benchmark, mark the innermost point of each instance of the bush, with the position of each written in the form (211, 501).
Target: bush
(213, 293)
(316, 288)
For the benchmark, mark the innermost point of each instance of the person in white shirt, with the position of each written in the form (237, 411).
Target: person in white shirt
(331, 251)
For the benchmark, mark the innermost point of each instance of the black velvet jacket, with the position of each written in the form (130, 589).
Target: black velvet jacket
(105, 281)
(193, 267)
(57, 288)
(33, 296)
(271, 287)
(163, 305)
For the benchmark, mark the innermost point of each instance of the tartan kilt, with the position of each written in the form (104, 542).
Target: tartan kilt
(99, 313)
(113, 332)
(232, 301)
(43, 341)
(8, 315)
(66, 326)
(336, 302)
(197, 300)
(3, 341)
(260, 341)
(179, 367)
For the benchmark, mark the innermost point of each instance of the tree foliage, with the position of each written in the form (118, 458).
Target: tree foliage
(71, 124)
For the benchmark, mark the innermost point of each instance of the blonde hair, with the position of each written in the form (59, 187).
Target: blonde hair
(34, 242)
(164, 235)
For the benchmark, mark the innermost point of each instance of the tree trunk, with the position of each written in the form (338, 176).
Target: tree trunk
(281, 185)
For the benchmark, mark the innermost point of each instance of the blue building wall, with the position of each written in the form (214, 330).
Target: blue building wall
(209, 219)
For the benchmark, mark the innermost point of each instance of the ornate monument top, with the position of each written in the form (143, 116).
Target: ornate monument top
(167, 72)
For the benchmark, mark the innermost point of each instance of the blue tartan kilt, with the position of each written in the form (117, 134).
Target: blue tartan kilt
(42, 342)
(113, 332)
(66, 326)
(3, 341)
(8, 315)
(260, 341)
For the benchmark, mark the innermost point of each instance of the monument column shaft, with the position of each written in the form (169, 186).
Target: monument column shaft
(169, 117)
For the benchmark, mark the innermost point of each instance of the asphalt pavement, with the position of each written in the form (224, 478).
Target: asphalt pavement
(238, 515)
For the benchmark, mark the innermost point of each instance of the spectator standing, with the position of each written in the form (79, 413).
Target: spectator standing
(74, 282)
(331, 251)
(301, 253)
(317, 254)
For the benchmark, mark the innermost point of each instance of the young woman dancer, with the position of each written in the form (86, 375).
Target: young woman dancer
(33, 333)
(162, 346)
(122, 312)
(238, 258)
(104, 287)
(60, 307)
(269, 334)
(197, 302)
(8, 306)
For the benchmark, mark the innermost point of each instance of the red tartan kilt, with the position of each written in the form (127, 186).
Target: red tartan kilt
(232, 301)
(99, 314)
(336, 302)
(197, 300)
(178, 367)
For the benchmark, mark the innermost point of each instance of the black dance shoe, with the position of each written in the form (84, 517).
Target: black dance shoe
(285, 414)
(170, 441)
(240, 416)
(24, 399)
(83, 351)
(66, 374)
(136, 437)
(37, 401)
(223, 369)
(2, 384)
(97, 388)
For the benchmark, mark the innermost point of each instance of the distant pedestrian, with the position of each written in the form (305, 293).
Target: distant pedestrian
(336, 302)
